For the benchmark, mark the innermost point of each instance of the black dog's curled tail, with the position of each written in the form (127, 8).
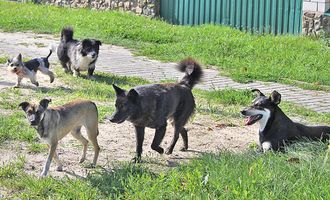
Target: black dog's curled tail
(193, 72)
(67, 34)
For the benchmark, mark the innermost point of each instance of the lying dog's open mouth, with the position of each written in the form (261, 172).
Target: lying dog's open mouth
(252, 119)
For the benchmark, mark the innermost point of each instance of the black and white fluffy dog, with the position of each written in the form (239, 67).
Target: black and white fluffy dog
(77, 55)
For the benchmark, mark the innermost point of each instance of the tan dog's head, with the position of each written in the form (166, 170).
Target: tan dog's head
(15, 64)
(34, 112)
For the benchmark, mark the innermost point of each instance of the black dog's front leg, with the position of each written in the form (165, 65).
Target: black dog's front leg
(139, 134)
(159, 135)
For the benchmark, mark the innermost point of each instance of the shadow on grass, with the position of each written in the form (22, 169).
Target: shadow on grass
(110, 79)
(53, 89)
(113, 183)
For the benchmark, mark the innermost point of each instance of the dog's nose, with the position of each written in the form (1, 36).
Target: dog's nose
(243, 112)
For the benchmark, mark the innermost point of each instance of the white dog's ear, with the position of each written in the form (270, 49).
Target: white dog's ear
(275, 97)
(19, 57)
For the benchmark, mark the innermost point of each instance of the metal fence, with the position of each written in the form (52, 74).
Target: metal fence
(257, 16)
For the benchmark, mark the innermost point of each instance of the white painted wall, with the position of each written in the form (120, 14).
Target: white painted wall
(316, 5)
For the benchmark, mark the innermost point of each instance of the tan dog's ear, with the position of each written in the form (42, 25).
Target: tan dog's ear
(44, 103)
(258, 92)
(275, 97)
(24, 105)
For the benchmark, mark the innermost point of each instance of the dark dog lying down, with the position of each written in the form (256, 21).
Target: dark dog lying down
(275, 127)
(152, 105)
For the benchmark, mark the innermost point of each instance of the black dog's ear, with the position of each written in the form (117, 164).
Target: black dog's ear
(98, 42)
(44, 103)
(24, 105)
(133, 95)
(85, 42)
(119, 92)
(275, 97)
(258, 92)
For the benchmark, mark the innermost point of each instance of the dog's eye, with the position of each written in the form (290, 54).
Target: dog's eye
(11, 65)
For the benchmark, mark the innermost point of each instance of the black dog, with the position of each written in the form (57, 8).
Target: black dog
(152, 105)
(275, 127)
(77, 56)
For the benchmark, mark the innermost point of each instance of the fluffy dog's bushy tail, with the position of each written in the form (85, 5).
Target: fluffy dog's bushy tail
(67, 34)
(193, 72)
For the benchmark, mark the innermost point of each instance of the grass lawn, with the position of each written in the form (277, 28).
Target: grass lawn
(289, 59)
(302, 173)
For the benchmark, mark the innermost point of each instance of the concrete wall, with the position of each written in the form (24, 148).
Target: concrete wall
(316, 5)
(314, 21)
(141, 7)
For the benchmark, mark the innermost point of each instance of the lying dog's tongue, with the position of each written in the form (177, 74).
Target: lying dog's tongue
(251, 119)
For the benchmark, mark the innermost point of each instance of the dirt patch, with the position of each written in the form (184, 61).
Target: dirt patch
(117, 141)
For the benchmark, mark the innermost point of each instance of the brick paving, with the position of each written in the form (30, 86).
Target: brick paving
(120, 61)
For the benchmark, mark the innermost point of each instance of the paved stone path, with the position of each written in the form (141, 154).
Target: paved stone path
(120, 61)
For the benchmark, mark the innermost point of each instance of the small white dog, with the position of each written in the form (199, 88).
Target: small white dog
(29, 69)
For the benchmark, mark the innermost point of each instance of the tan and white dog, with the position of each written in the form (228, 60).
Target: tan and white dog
(53, 123)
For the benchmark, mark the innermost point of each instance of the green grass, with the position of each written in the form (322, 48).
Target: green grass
(240, 55)
(13, 127)
(302, 173)
(224, 104)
